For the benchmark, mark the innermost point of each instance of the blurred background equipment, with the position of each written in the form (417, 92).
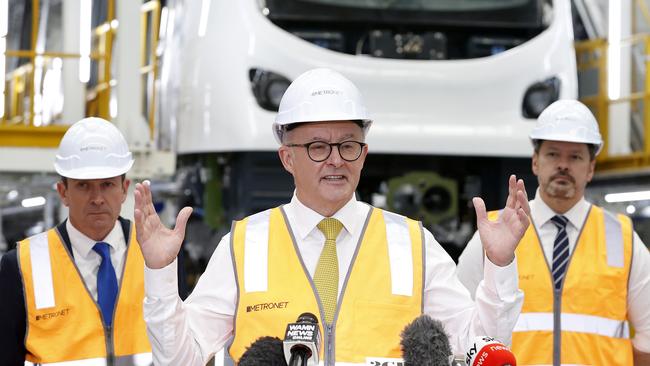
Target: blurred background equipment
(454, 89)
(425, 196)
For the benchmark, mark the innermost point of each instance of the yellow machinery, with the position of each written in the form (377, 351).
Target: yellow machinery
(592, 61)
(24, 123)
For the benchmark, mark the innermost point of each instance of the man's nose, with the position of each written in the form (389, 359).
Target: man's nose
(96, 196)
(335, 157)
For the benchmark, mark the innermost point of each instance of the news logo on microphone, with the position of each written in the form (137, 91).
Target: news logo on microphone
(302, 341)
(487, 351)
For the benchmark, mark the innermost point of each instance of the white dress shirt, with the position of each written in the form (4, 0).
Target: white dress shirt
(88, 261)
(190, 333)
(470, 263)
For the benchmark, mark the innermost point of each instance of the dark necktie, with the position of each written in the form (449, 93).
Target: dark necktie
(560, 250)
(106, 283)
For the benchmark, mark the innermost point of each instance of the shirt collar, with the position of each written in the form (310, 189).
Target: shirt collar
(306, 219)
(542, 213)
(83, 244)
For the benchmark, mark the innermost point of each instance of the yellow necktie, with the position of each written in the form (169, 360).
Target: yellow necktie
(326, 277)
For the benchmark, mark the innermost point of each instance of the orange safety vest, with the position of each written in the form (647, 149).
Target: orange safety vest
(382, 293)
(64, 322)
(585, 322)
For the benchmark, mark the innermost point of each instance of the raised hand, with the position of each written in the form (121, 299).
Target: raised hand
(500, 238)
(159, 244)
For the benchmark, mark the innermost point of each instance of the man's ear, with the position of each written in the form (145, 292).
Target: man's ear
(534, 163)
(63, 192)
(592, 169)
(125, 189)
(286, 157)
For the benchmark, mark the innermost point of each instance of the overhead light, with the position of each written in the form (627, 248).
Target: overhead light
(627, 196)
(3, 49)
(12, 195)
(203, 20)
(33, 201)
(630, 209)
(85, 39)
(4, 16)
(614, 50)
(4, 24)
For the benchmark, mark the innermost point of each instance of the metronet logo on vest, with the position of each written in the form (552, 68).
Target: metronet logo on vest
(46, 316)
(267, 306)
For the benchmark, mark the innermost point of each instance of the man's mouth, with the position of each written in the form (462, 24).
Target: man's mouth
(566, 178)
(333, 178)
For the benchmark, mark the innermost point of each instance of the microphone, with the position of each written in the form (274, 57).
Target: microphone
(487, 351)
(265, 351)
(302, 341)
(425, 343)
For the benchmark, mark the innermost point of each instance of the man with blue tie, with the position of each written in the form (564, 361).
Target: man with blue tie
(74, 293)
(583, 270)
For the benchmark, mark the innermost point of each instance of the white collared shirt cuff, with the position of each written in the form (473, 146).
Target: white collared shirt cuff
(641, 342)
(502, 281)
(163, 282)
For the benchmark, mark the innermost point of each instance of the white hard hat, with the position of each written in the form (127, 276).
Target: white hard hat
(320, 95)
(93, 148)
(567, 120)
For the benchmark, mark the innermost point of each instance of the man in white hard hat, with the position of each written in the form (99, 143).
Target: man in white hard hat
(364, 272)
(74, 293)
(584, 271)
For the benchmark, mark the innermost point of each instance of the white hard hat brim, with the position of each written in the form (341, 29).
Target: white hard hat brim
(278, 129)
(93, 172)
(598, 144)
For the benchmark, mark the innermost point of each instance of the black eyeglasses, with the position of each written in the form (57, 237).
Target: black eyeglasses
(319, 150)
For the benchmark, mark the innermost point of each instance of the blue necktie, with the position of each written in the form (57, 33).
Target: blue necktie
(560, 250)
(106, 282)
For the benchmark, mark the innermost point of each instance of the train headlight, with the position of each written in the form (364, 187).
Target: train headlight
(268, 88)
(539, 96)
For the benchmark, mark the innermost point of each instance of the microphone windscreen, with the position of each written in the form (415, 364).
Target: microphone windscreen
(265, 351)
(487, 351)
(425, 343)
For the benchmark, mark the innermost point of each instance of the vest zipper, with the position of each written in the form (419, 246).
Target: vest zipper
(329, 354)
(110, 352)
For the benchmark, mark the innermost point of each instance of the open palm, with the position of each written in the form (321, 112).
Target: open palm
(159, 245)
(501, 237)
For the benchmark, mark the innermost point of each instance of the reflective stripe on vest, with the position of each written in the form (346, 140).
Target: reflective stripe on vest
(573, 323)
(42, 271)
(256, 252)
(586, 321)
(399, 249)
(64, 325)
(614, 240)
(142, 359)
(399, 253)
(372, 292)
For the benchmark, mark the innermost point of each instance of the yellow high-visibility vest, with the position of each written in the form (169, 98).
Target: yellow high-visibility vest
(383, 291)
(585, 322)
(64, 322)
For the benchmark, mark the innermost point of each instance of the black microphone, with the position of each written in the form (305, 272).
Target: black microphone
(425, 343)
(302, 341)
(265, 351)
